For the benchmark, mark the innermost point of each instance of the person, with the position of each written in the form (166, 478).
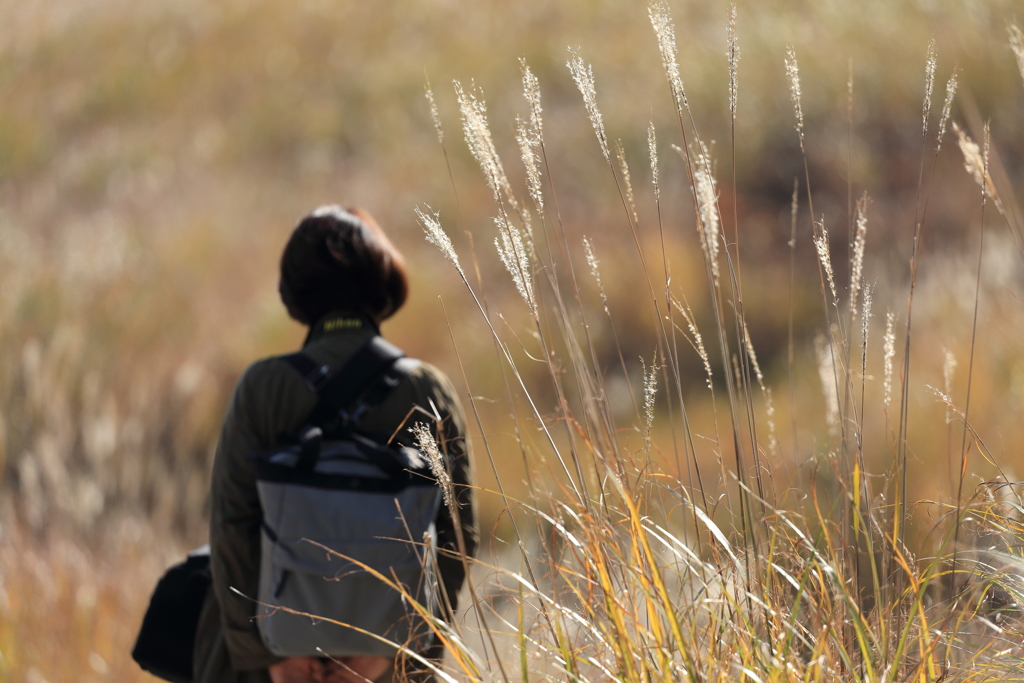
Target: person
(341, 277)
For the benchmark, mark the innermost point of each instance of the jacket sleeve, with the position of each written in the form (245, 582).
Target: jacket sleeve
(235, 529)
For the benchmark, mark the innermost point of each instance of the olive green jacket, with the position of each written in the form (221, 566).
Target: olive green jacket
(272, 398)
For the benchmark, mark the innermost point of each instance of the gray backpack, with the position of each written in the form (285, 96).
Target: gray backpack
(330, 486)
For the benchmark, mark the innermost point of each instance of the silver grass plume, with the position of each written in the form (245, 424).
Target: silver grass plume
(434, 114)
(793, 76)
(734, 58)
(652, 147)
(593, 263)
(975, 161)
(948, 369)
(865, 327)
(438, 237)
(529, 146)
(621, 156)
(531, 91)
(821, 245)
(826, 372)
(929, 86)
(707, 201)
(665, 31)
(947, 107)
(426, 443)
(532, 134)
(514, 256)
(888, 353)
(583, 76)
(650, 392)
(481, 145)
(697, 340)
(1017, 45)
(857, 258)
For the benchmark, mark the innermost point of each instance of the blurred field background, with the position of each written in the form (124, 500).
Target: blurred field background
(155, 155)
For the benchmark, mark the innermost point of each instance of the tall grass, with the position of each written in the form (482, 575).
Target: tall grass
(142, 211)
(647, 568)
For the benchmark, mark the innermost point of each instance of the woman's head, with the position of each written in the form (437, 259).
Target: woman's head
(340, 259)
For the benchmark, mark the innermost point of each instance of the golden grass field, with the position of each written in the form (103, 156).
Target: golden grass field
(154, 157)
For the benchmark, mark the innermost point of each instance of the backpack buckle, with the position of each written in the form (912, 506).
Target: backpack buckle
(318, 378)
(353, 417)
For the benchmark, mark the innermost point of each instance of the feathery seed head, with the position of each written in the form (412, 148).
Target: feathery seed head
(434, 114)
(621, 156)
(1017, 45)
(749, 345)
(929, 85)
(888, 353)
(859, 241)
(865, 317)
(734, 58)
(514, 257)
(697, 341)
(478, 137)
(947, 107)
(531, 91)
(793, 75)
(426, 443)
(583, 76)
(707, 201)
(593, 263)
(652, 148)
(665, 31)
(975, 161)
(650, 391)
(821, 245)
(438, 237)
(529, 144)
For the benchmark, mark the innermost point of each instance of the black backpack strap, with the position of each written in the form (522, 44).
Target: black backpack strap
(314, 374)
(368, 364)
(371, 373)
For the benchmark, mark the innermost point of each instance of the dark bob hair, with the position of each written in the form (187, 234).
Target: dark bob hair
(340, 259)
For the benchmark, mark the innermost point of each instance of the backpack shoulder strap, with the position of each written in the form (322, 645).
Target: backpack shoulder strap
(372, 372)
